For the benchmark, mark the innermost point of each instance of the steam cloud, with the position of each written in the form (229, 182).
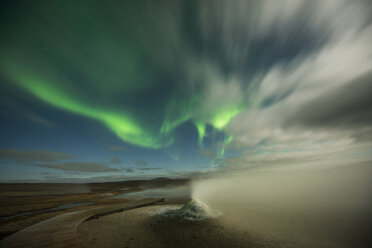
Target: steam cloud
(305, 206)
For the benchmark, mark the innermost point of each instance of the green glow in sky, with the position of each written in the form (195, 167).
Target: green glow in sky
(126, 126)
(107, 71)
(222, 118)
(123, 125)
(201, 131)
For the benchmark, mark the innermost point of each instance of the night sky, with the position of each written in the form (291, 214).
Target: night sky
(115, 90)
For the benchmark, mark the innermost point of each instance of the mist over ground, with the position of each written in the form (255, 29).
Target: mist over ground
(302, 205)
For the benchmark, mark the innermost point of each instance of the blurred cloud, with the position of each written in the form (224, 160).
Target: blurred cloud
(56, 160)
(31, 156)
(318, 99)
(115, 161)
(16, 110)
(140, 163)
(149, 168)
(129, 170)
(80, 166)
(116, 148)
(295, 72)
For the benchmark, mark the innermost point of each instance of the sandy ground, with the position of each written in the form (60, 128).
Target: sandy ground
(61, 231)
(39, 208)
(140, 228)
(25, 204)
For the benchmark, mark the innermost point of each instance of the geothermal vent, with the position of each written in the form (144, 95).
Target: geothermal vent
(193, 210)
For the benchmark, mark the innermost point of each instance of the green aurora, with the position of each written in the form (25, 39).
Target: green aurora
(103, 68)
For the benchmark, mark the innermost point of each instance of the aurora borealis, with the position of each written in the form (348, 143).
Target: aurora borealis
(186, 86)
(116, 71)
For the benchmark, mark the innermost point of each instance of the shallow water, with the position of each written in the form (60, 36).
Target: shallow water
(179, 192)
(60, 207)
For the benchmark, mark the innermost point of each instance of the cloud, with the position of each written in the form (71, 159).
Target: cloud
(116, 148)
(141, 163)
(276, 72)
(115, 161)
(345, 107)
(10, 107)
(31, 156)
(76, 166)
(53, 160)
(209, 153)
(150, 168)
(112, 178)
(79, 166)
(129, 170)
(317, 101)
